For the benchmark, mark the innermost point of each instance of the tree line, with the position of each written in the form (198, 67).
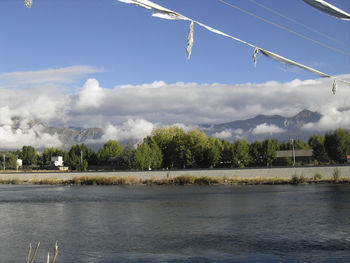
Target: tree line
(174, 148)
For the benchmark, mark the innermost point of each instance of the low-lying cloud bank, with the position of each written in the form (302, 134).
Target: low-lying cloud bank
(131, 111)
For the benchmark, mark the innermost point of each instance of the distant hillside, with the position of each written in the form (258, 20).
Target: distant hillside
(257, 128)
(68, 136)
(266, 126)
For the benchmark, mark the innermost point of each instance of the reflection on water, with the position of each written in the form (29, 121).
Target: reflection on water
(177, 224)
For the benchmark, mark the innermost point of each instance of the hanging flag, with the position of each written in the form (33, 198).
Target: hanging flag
(158, 11)
(328, 8)
(293, 63)
(256, 51)
(334, 89)
(28, 3)
(190, 41)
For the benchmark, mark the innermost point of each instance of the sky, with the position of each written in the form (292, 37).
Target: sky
(102, 63)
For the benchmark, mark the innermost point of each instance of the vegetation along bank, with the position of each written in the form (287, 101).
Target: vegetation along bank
(295, 175)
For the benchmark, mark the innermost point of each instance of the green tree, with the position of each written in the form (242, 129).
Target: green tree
(164, 138)
(300, 145)
(148, 155)
(155, 154)
(181, 154)
(213, 152)
(337, 145)
(226, 154)
(241, 156)
(142, 156)
(110, 149)
(10, 159)
(197, 144)
(256, 153)
(51, 152)
(269, 150)
(29, 155)
(316, 142)
(78, 157)
(127, 158)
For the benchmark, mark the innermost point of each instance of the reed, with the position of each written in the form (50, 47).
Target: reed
(31, 257)
(179, 180)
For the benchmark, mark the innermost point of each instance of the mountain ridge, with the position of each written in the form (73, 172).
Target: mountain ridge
(258, 128)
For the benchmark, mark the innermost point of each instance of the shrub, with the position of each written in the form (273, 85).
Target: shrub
(318, 176)
(298, 179)
(336, 175)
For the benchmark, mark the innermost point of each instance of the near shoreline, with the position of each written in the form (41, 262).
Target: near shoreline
(290, 175)
(179, 180)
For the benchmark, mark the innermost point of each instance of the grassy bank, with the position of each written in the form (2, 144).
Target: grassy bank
(180, 180)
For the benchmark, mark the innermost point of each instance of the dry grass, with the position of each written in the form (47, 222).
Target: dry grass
(179, 180)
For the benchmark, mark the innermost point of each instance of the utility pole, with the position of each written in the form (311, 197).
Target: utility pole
(81, 159)
(4, 163)
(293, 152)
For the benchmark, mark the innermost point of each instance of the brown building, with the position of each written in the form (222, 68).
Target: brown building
(301, 157)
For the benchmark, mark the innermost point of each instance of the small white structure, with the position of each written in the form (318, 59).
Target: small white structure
(19, 162)
(57, 161)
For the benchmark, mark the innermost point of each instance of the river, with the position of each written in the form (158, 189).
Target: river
(110, 224)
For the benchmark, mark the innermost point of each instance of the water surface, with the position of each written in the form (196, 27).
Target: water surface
(113, 224)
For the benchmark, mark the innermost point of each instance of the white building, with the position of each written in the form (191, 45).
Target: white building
(19, 162)
(57, 161)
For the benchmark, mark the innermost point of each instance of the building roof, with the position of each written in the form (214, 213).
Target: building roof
(298, 153)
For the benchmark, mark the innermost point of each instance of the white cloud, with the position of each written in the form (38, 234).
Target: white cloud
(267, 129)
(129, 130)
(229, 134)
(91, 95)
(133, 110)
(15, 139)
(223, 135)
(61, 75)
(332, 119)
(5, 116)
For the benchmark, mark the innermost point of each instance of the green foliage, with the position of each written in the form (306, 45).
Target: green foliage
(212, 152)
(10, 160)
(51, 152)
(256, 154)
(336, 175)
(110, 149)
(298, 179)
(127, 158)
(318, 149)
(164, 138)
(337, 145)
(148, 155)
(29, 155)
(78, 157)
(241, 156)
(226, 154)
(318, 176)
(300, 145)
(269, 150)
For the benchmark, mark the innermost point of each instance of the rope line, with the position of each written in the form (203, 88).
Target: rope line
(300, 24)
(286, 29)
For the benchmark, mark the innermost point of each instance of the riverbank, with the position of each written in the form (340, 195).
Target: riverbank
(295, 175)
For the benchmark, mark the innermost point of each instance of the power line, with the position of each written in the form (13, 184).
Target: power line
(285, 28)
(299, 23)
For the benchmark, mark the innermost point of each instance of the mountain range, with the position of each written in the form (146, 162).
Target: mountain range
(266, 126)
(258, 128)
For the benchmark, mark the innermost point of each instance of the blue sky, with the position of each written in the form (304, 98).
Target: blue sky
(99, 63)
(133, 47)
